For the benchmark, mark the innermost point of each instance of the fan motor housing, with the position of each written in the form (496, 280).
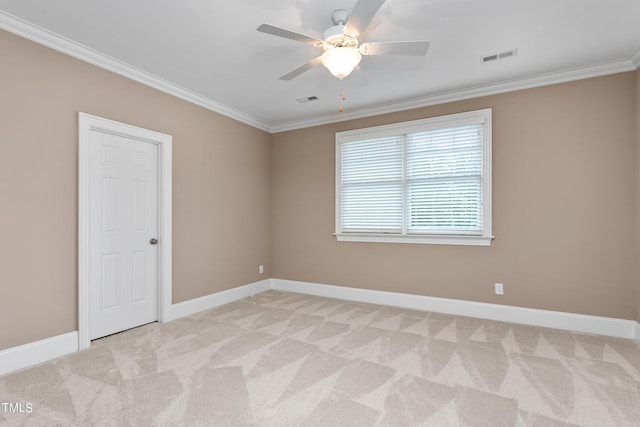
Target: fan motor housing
(335, 37)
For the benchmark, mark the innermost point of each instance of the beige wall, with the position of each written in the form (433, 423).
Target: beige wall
(563, 207)
(565, 181)
(221, 187)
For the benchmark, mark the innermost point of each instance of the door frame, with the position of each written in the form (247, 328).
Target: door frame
(86, 124)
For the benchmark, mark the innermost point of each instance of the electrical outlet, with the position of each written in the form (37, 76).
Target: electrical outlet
(499, 289)
(260, 269)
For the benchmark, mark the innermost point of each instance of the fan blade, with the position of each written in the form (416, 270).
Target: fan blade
(281, 32)
(361, 15)
(417, 48)
(306, 67)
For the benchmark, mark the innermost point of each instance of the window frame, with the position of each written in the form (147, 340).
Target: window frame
(482, 117)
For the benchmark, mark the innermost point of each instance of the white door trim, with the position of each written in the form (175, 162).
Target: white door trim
(87, 123)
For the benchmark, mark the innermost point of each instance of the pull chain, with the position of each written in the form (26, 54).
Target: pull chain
(344, 98)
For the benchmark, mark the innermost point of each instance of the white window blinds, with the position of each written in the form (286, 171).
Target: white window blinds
(444, 181)
(372, 185)
(423, 179)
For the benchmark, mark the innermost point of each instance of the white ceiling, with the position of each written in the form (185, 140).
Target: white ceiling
(210, 52)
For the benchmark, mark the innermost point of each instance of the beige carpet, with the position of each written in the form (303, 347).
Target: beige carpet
(285, 359)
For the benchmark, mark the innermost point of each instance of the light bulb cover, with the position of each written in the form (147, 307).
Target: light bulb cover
(341, 61)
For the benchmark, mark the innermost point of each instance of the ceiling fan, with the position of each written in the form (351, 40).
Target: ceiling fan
(342, 49)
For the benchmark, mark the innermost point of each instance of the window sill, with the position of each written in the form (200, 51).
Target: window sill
(415, 239)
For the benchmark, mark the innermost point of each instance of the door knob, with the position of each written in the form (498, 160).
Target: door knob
(153, 241)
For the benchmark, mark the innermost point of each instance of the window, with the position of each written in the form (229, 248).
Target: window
(426, 181)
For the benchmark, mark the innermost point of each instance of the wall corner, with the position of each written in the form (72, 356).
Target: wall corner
(637, 198)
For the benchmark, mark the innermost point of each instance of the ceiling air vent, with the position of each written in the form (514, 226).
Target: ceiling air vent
(307, 99)
(501, 55)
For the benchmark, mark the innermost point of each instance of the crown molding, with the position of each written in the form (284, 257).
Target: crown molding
(475, 92)
(635, 58)
(62, 44)
(59, 43)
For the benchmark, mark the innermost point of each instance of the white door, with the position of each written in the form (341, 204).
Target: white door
(123, 216)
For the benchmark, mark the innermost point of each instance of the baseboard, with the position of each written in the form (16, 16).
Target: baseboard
(607, 326)
(33, 353)
(15, 358)
(210, 301)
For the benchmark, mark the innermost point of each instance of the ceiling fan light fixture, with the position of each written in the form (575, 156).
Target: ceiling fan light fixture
(342, 49)
(341, 61)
